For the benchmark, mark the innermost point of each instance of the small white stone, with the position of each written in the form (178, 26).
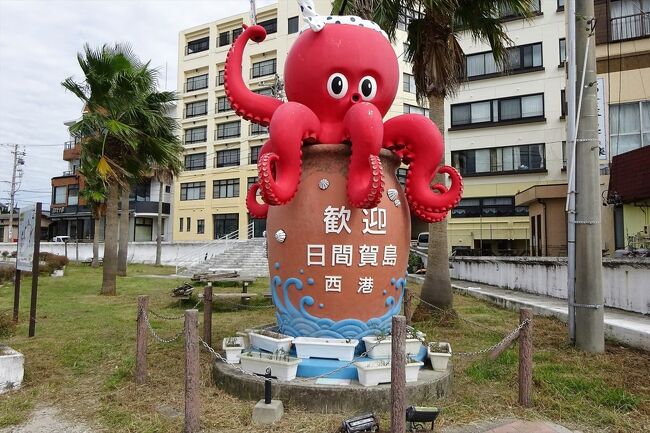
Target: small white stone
(392, 194)
(280, 236)
(397, 203)
(324, 184)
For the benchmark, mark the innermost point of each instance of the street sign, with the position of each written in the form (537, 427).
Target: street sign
(27, 232)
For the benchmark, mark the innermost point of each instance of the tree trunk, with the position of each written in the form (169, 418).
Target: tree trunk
(95, 262)
(110, 242)
(159, 225)
(124, 234)
(436, 289)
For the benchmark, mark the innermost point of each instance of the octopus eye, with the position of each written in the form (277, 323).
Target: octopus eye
(368, 88)
(337, 85)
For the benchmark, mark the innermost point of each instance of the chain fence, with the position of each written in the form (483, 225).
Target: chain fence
(153, 332)
(179, 317)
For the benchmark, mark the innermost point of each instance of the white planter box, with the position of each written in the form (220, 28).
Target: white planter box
(330, 348)
(233, 352)
(270, 344)
(12, 369)
(439, 360)
(382, 349)
(375, 372)
(283, 370)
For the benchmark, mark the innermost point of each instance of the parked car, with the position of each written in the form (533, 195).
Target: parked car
(61, 239)
(423, 240)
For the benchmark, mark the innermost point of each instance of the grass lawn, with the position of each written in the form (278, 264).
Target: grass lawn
(81, 360)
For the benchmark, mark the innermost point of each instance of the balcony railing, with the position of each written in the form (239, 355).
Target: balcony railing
(630, 27)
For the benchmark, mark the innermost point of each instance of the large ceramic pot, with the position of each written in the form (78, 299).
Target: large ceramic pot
(338, 271)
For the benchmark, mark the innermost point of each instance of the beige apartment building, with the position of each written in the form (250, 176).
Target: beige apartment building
(221, 149)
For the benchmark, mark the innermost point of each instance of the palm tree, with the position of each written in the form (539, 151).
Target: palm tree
(163, 175)
(126, 130)
(123, 233)
(439, 68)
(94, 193)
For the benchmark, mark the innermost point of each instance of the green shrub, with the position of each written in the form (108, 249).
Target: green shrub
(52, 262)
(6, 273)
(415, 262)
(7, 325)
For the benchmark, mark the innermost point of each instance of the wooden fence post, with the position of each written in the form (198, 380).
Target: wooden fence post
(408, 305)
(141, 341)
(192, 372)
(526, 357)
(398, 375)
(207, 314)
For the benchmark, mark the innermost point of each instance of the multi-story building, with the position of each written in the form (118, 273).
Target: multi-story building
(221, 149)
(71, 215)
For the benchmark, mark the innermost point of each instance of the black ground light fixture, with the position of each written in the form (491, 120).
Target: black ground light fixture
(417, 416)
(367, 422)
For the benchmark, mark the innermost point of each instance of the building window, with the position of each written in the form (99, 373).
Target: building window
(563, 101)
(168, 189)
(560, 5)
(629, 126)
(293, 25)
(73, 195)
(228, 130)
(258, 129)
(414, 109)
(221, 77)
(198, 45)
(143, 229)
(189, 224)
(236, 33)
(500, 160)
(521, 58)
(141, 192)
(266, 91)
(254, 154)
(562, 51)
(630, 19)
(506, 12)
(195, 161)
(180, 224)
(59, 195)
(200, 227)
(564, 160)
(250, 182)
(196, 83)
(271, 26)
(223, 104)
(196, 135)
(488, 207)
(490, 112)
(408, 81)
(225, 188)
(227, 158)
(193, 191)
(263, 68)
(198, 108)
(224, 39)
(225, 224)
(405, 18)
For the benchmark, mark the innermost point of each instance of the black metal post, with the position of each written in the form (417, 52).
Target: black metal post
(267, 386)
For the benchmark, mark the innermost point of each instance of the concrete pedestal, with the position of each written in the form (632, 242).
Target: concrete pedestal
(11, 369)
(268, 413)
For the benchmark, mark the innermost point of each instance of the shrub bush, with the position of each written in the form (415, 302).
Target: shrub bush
(52, 262)
(7, 325)
(415, 262)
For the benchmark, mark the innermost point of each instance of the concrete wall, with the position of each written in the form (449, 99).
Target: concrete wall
(625, 281)
(181, 253)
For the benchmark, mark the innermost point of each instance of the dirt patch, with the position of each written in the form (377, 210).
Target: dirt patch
(48, 420)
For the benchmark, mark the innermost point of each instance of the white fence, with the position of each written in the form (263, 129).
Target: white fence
(626, 282)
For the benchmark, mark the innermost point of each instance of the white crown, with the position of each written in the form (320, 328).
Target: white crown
(317, 22)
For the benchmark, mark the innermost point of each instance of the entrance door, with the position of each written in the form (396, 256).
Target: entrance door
(259, 226)
(225, 224)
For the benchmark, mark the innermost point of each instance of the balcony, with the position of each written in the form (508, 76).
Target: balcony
(630, 27)
(71, 150)
(148, 207)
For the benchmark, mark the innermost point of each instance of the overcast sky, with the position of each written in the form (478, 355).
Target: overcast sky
(39, 41)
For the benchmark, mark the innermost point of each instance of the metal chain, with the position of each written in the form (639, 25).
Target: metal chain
(155, 335)
(494, 346)
(181, 316)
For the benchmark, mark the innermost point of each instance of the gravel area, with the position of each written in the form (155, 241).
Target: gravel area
(48, 420)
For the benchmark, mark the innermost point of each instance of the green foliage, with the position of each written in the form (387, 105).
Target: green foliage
(52, 262)
(500, 369)
(415, 262)
(7, 326)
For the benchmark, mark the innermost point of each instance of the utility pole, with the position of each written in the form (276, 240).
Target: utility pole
(588, 303)
(18, 160)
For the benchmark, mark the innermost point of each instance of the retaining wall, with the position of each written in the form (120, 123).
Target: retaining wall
(626, 282)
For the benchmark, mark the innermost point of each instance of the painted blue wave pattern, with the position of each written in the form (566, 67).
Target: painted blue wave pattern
(298, 322)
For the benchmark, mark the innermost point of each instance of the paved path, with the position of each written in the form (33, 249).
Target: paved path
(510, 426)
(48, 420)
(629, 328)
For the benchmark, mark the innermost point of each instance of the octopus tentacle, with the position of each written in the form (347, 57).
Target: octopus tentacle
(364, 127)
(280, 164)
(421, 146)
(249, 105)
(256, 209)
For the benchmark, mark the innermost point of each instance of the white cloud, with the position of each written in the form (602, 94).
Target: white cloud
(39, 41)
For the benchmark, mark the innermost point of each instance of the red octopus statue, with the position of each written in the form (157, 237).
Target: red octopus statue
(340, 82)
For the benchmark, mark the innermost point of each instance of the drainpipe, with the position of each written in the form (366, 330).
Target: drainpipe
(571, 136)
